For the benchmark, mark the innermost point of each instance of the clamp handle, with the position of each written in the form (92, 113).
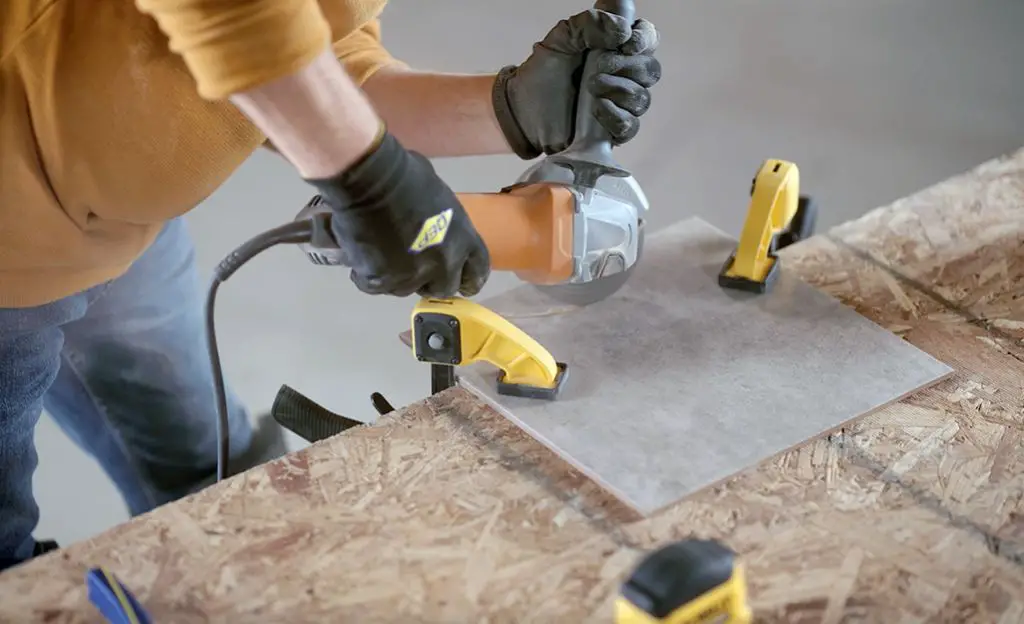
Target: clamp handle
(773, 204)
(308, 419)
(459, 332)
(778, 216)
(590, 154)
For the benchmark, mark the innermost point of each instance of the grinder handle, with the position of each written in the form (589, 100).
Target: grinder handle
(528, 230)
(591, 147)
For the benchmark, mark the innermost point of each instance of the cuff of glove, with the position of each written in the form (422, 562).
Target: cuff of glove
(369, 175)
(506, 118)
(382, 132)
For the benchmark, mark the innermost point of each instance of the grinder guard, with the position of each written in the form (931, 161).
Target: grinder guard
(608, 231)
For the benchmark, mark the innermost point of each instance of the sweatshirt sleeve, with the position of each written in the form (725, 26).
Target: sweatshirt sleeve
(362, 53)
(235, 45)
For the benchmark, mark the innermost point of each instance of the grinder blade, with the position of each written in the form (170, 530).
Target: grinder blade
(597, 290)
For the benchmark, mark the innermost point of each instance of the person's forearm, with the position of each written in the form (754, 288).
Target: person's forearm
(438, 115)
(317, 118)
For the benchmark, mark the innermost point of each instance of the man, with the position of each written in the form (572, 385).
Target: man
(119, 117)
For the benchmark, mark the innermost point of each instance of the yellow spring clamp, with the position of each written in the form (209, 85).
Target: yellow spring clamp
(778, 217)
(459, 332)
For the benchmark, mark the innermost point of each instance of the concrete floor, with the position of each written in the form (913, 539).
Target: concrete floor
(872, 99)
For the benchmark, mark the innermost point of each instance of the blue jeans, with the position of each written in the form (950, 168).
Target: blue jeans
(123, 369)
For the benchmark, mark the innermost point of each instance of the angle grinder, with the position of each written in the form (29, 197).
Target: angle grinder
(572, 224)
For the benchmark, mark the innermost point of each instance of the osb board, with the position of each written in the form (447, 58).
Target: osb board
(676, 383)
(445, 512)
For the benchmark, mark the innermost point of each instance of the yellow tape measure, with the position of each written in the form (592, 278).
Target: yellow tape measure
(685, 582)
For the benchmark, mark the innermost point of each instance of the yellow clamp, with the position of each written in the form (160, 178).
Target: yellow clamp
(459, 332)
(774, 200)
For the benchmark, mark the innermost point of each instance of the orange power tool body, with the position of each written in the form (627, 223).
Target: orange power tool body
(572, 224)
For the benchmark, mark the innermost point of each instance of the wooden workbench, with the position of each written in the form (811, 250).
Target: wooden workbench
(444, 512)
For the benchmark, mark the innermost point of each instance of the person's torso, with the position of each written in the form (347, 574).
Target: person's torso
(120, 132)
(102, 134)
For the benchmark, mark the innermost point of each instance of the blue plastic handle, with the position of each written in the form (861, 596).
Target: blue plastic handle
(113, 599)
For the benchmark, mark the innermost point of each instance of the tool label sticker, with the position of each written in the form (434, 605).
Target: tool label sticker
(433, 231)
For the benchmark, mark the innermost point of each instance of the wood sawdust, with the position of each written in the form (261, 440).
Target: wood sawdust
(444, 512)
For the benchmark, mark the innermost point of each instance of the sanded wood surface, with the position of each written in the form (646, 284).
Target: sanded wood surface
(446, 512)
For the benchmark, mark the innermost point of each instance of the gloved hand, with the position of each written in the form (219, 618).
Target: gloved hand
(402, 229)
(535, 103)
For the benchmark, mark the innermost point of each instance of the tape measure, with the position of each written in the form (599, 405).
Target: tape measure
(685, 582)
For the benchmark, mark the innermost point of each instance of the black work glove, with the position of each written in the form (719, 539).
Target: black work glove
(401, 229)
(535, 102)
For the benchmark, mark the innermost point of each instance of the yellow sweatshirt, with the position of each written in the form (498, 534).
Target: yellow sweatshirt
(113, 119)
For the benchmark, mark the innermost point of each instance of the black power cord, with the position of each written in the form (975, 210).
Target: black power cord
(294, 233)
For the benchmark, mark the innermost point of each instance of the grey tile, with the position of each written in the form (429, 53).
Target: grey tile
(676, 383)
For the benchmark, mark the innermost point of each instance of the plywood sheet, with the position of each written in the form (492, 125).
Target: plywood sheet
(676, 384)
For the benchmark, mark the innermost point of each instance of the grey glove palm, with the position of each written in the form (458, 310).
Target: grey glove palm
(535, 102)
